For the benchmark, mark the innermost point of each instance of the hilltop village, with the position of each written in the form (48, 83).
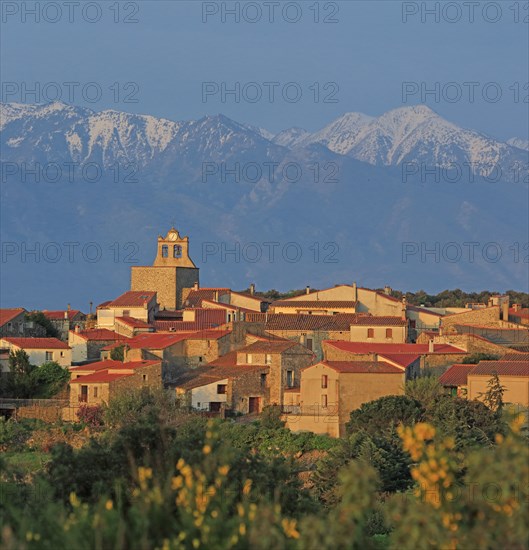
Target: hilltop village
(317, 356)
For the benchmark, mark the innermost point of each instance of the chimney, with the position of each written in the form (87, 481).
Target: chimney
(355, 292)
(307, 290)
(68, 307)
(374, 357)
(77, 329)
(516, 307)
(387, 290)
(431, 347)
(91, 304)
(252, 289)
(195, 286)
(66, 314)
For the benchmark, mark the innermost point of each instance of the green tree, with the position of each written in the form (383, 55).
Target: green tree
(493, 397)
(425, 390)
(40, 319)
(118, 353)
(385, 413)
(49, 379)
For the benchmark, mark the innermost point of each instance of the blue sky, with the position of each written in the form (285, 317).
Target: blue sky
(170, 52)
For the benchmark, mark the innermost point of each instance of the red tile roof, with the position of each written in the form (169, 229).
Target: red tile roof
(413, 349)
(456, 375)
(210, 374)
(228, 360)
(132, 298)
(158, 340)
(100, 377)
(220, 306)
(515, 356)
(180, 326)
(505, 368)
(9, 314)
(58, 314)
(99, 334)
(134, 323)
(151, 341)
(108, 370)
(195, 297)
(36, 343)
(285, 321)
(361, 367)
(523, 312)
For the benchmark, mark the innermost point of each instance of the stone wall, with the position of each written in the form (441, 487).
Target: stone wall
(486, 317)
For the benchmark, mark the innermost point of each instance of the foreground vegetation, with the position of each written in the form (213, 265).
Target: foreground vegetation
(423, 470)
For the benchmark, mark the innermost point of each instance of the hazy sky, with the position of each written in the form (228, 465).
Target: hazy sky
(361, 61)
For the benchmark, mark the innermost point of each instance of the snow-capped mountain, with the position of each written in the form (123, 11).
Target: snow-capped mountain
(520, 143)
(228, 184)
(417, 135)
(405, 135)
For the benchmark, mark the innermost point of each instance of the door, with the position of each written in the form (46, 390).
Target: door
(84, 394)
(253, 405)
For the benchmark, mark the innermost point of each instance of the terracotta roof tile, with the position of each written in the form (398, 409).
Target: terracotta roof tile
(9, 314)
(413, 349)
(100, 334)
(132, 298)
(456, 375)
(505, 368)
(134, 323)
(57, 315)
(36, 343)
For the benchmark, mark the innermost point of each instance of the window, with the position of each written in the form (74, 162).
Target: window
(165, 251)
(263, 380)
(324, 381)
(268, 359)
(177, 251)
(290, 378)
(49, 356)
(370, 332)
(62, 353)
(221, 388)
(324, 401)
(144, 377)
(248, 358)
(200, 358)
(308, 343)
(95, 391)
(126, 313)
(389, 333)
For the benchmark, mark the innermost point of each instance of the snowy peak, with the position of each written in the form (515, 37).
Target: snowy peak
(519, 143)
(291, 137)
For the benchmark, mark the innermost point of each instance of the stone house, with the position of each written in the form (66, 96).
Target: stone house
(108, 379)
(217, 388)
(284, 359)
(430, 355)
(87, 344)
(12, 322)
(513, 375)
(172, 275)
(454, 379)
(65, 320)
(330, 390)
(40, 350)
(129, 326)
(381, 329)
(140, 305)
(366, 300)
